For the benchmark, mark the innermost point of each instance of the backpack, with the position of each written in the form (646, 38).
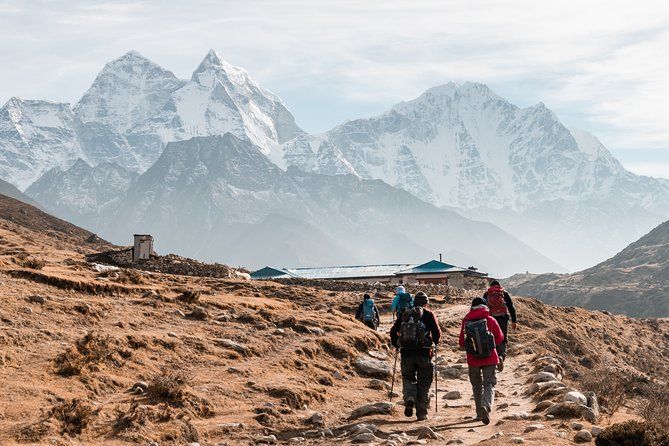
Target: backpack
(368, 310)
(496, 301)
(413, 333)
(479, 341)
(405, 302)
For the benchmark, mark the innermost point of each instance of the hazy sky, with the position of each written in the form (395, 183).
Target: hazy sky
(600, 65)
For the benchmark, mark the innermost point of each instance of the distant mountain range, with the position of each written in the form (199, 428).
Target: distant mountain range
(457, 146)
(634, 282)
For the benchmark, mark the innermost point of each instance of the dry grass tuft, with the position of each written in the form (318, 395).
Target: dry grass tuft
(189, 296)
(30, 262)
(73, 415)
(633, 433)
(654, 408)
(93, 348)
(611, 386)
(170, 385)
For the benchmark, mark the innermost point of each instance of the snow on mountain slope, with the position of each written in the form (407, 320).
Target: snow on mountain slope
(35, 136)
(126, 92)
(463, 147)
(220, 98)
(81, 192)
(218, 193)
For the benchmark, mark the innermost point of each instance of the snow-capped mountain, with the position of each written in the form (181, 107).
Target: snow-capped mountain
(219, 192)
(132, 110)
(81, 192)
(463, 147)
(128, 91)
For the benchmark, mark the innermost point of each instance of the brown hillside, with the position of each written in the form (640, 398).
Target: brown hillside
(222, 361)
(634, 282)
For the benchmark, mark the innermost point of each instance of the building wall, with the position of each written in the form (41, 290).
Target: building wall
(142, 248)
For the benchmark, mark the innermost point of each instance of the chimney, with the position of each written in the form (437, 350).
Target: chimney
(440, 257)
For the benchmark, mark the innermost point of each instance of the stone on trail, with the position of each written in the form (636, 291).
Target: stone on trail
(452, 395)
(583, 437)
(541, 377)
(517, 440)
(518, 416)
(372, 367)
(382, 408)
(377, 384)
(575, 397)
(576, 426)
(596, 430)
(366, 437)
(315, 418)
(266, 439)
(456, 440)
(543, 405)
(534, 427)
(296, 440)
(427, 432)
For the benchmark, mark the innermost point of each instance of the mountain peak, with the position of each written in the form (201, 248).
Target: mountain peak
(213, 62)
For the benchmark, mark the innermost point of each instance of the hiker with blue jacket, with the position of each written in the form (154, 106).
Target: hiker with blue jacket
(401, 302)
(368, 313)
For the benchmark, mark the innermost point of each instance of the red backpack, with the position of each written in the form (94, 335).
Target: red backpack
(496, 301)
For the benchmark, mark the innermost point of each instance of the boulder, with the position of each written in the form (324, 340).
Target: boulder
(366, 437)
(583, 437)
(382, 408)
(372, 367)
(377, 384)
(575, 397)
(543, 405)
(541, 377)
(517, 440)
(577, 426)
(232, 345)
(596, 431)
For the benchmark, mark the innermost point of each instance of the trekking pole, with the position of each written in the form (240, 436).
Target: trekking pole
(436, 377)
(392, 386)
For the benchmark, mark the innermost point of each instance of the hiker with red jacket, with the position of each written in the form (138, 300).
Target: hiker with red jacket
(414, 333)
(501, 307)
(479, 335)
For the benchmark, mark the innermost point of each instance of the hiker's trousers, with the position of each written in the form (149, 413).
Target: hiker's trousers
(503, 322)
(417, 375)
(483, 381)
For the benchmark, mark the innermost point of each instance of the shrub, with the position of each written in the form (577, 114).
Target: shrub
(30, 262)
(654, 407)
(611, 386)
(632, 433)
(170, 385)
(93, 348)
(73, 415)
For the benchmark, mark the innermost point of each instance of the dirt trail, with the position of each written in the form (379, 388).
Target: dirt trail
(454, 418)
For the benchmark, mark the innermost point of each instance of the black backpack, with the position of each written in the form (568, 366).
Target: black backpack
(413, 333)
(479, 341)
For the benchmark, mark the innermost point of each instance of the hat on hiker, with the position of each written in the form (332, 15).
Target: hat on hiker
(366, 296)
(400, 290)
(494, 283)
(421, 299)
(477, 301)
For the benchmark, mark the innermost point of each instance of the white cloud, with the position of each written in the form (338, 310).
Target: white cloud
(601, 65)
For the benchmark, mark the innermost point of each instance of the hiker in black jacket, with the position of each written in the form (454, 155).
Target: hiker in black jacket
(501, 307)
(414, 333)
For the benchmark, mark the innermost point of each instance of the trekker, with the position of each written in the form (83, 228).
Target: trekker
(479, 335)
(413, 333)
(501, 306)
(401, 301)
(368, 313)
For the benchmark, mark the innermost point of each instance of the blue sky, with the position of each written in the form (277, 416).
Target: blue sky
(600, 65)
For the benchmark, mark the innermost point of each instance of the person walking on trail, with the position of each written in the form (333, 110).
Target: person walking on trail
(401, 301)
(479, 335)
(368, 313)
(501, 307)
(414, 334)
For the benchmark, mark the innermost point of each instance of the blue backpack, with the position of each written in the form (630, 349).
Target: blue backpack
(368, 310)
(405, 302)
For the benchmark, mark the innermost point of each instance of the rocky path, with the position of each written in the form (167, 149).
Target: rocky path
(515, 418)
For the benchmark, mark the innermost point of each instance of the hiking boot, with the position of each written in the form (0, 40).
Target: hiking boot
(500, 364)
(408, 408)
(485, 418)
(421, 417)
